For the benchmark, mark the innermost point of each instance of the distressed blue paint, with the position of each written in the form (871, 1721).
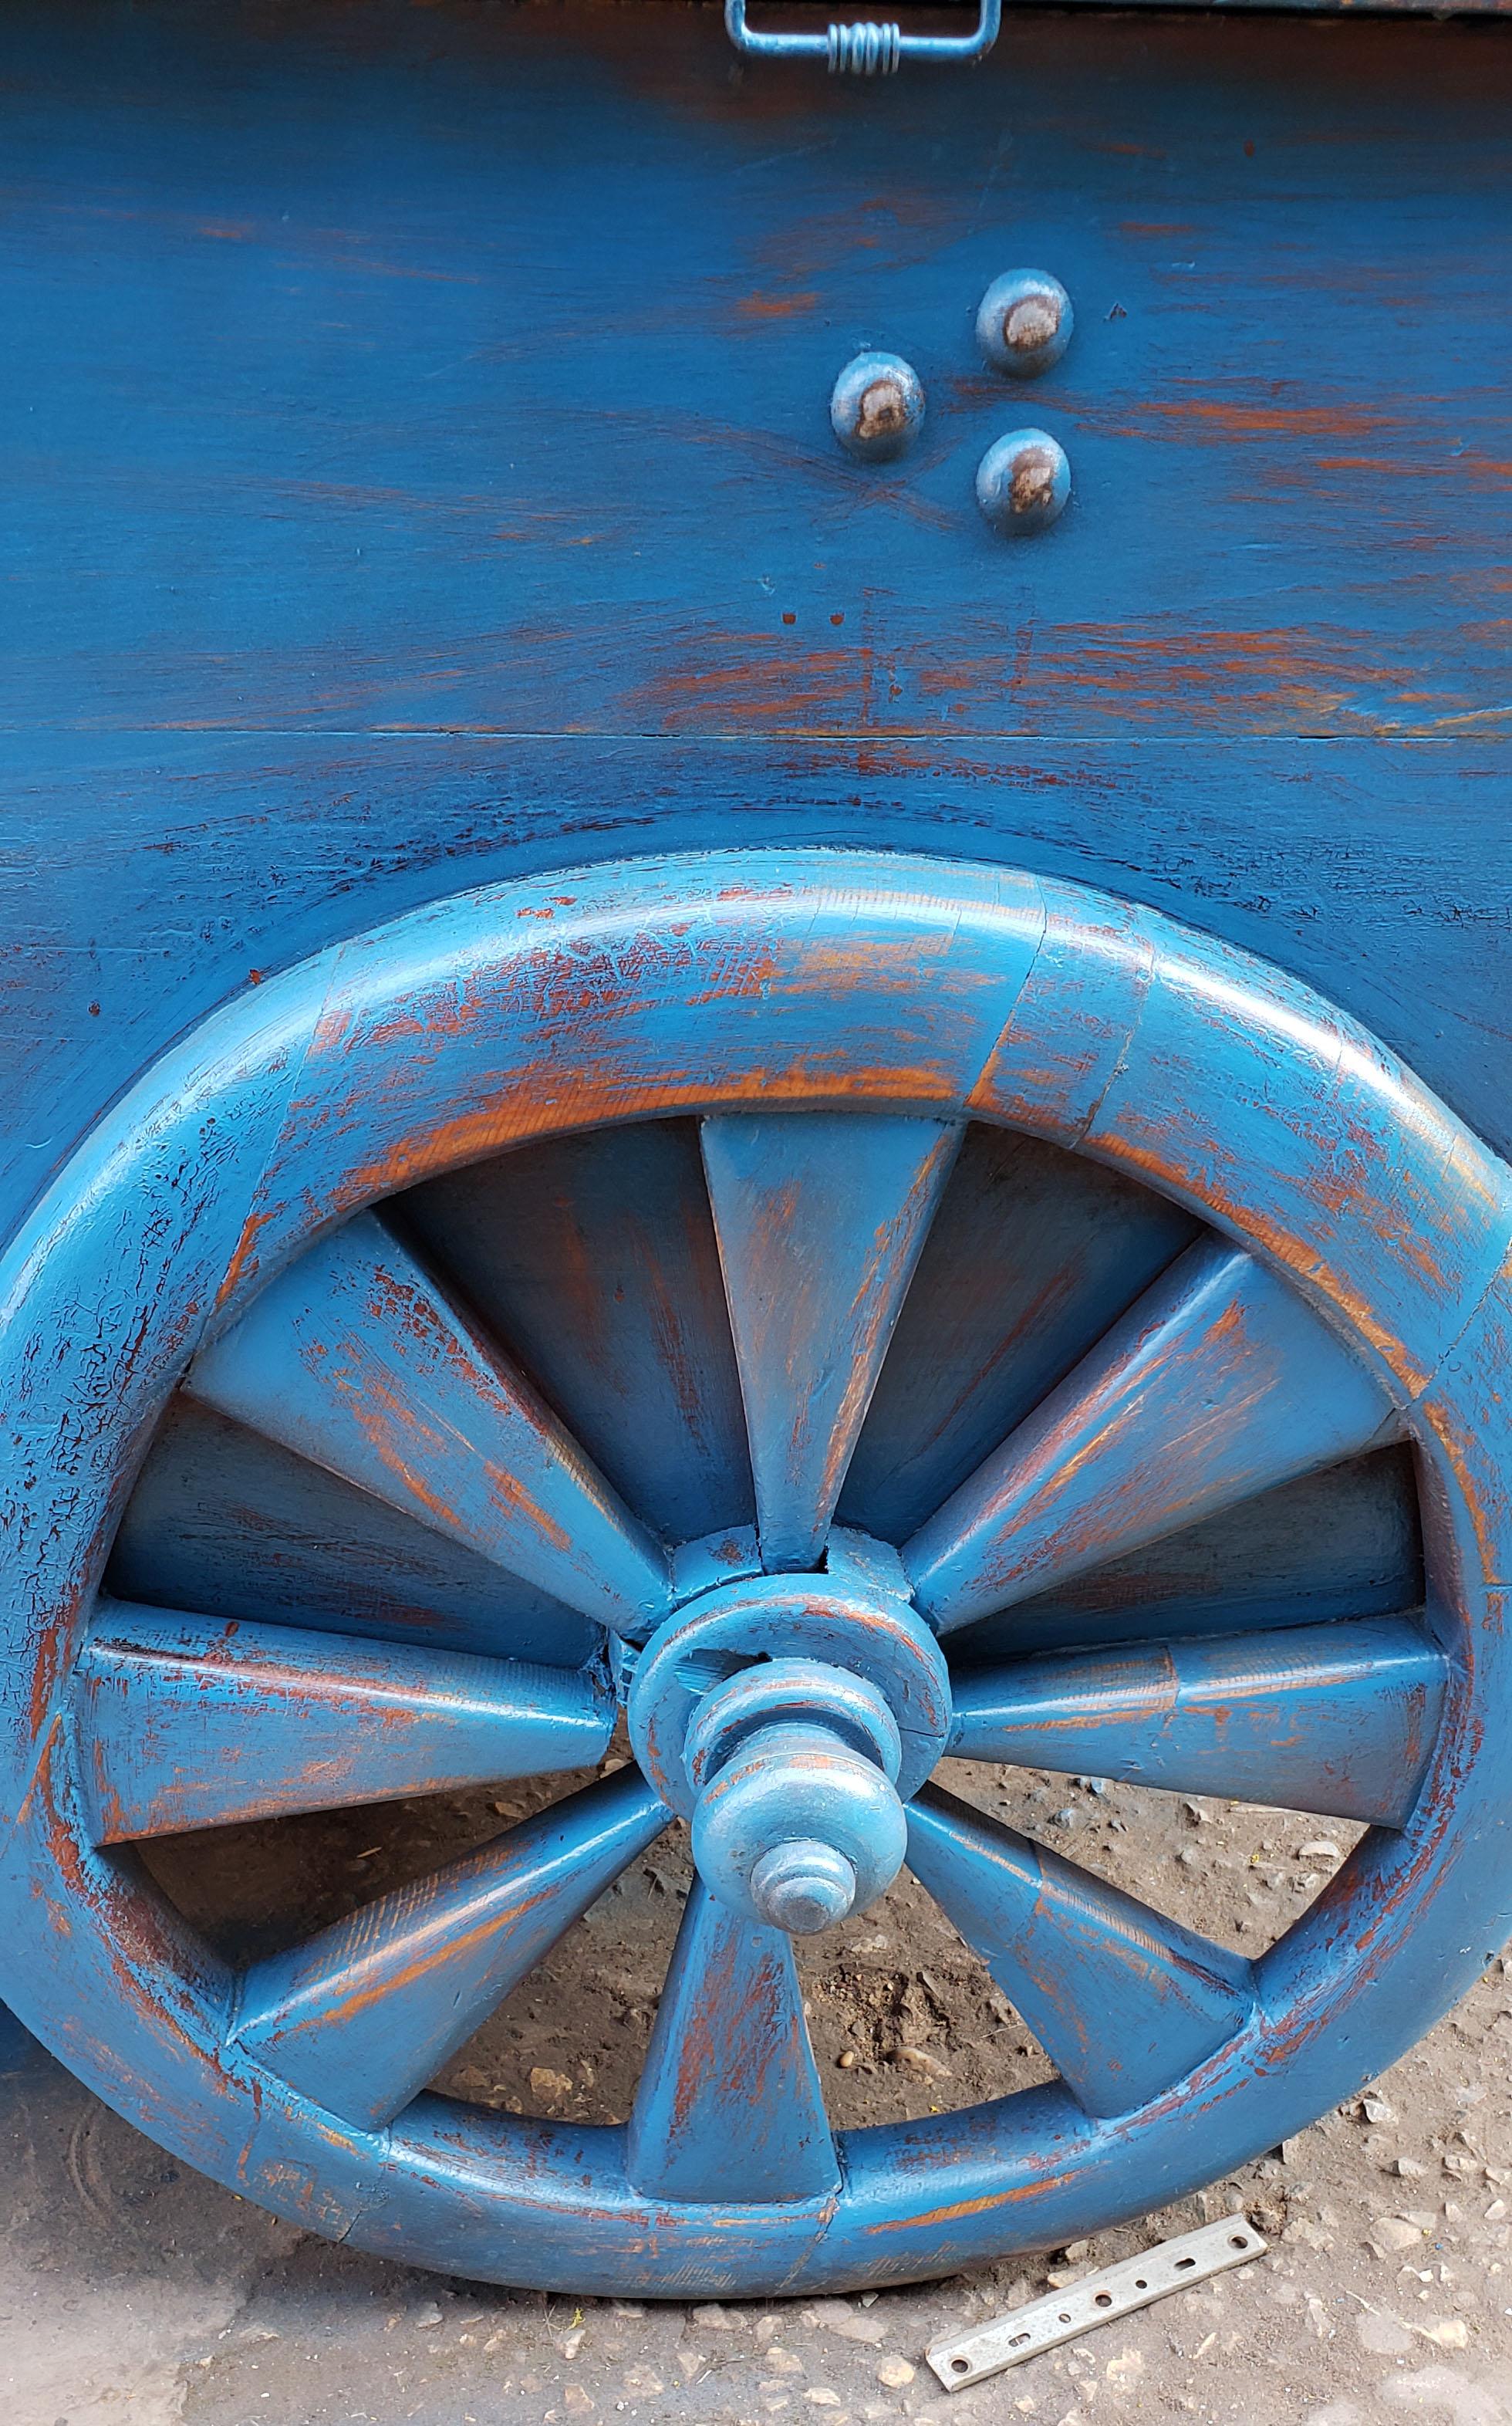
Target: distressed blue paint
(951, 988)
(1345, 1542)
(820, 1222)
(358, 1361)
(701, 983)
(224, 1522)
(595, 1256)
(730, 2104)
(1336, 1719)
(1031, 1258)
(190, 1723)
(363, 463)
(354, 334)
(1125, 2001)
(1217, 1384)
(362, 2016)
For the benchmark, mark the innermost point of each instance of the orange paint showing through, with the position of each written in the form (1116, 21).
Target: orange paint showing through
(779, 307)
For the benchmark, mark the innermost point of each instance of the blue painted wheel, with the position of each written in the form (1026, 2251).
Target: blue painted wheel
(841, 1312)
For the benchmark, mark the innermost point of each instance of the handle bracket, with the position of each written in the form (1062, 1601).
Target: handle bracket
(865, 49)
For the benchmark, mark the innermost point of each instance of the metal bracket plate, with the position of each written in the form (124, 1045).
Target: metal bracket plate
(1065, 2315)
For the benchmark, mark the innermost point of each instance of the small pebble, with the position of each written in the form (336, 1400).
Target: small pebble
(894, 2373)
(1449, 2333)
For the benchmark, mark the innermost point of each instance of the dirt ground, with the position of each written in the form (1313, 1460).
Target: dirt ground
(130, 2291)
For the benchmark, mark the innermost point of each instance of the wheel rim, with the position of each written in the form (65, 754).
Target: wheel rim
(833, 1019)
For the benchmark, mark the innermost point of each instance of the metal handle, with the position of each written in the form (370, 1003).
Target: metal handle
(865, 49)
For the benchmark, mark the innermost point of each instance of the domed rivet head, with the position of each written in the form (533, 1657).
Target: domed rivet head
(1022, 483)
(877, 408)
(803, 1886)
(1024, 323)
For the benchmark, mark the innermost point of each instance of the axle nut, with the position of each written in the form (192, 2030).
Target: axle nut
(803, 1886)
(1024, 323)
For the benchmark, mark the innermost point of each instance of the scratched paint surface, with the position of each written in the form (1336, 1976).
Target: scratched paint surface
(489, 442)
(1350, 1286)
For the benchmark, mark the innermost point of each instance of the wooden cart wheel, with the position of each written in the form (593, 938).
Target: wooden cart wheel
(1047, 1232)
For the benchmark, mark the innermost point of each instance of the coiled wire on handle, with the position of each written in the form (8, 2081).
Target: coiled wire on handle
(864, 50)
(867, 50)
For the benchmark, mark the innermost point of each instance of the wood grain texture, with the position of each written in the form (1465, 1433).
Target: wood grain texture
(228, 1523)
(194, 1724)
(357, 1360)
(147, 880)
(1217, 1385)
(1344, 1543)
(416, 473)
(594, 1258)
(716, 982)
(1033, 1255)
(1335, 1719)
(487, 441)
(820, 1219)
(730, 2104)
(362, 2016)
(1123, 2001)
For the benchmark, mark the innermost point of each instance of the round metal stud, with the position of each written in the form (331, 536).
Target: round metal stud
(877, 407)
(1025, 322)
(1022, 483)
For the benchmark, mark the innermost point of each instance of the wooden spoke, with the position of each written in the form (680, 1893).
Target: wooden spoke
(1034, 1253)
(1334, 1718)
(1344, 1543)
(820, 1219)
(226, 1522)
(189, 1722)
(1124, 2002)
(730, 2105)
(354, 1358)
(362, 2016)
(595, 1256)
(1219, 1383)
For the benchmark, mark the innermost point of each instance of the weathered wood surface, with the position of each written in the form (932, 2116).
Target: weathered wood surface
(373, 367)
(384, 389)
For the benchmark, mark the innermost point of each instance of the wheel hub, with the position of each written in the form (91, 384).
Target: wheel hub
(788, 1717)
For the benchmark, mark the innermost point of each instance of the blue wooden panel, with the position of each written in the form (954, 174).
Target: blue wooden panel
(192, 1724)
(339, 291)
(595, 1261)
(225, 1521)
(1339, 1719)
(1217, 1384)
(730, 2104)
(136, 890)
